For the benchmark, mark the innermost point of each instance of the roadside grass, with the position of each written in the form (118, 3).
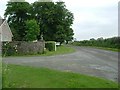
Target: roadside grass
(60, 50)
(111, 49)
(105, 48)
(16, 76)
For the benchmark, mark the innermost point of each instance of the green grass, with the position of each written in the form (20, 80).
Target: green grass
(105, 48)
(16, 76)
(111, 49)
(60, 50)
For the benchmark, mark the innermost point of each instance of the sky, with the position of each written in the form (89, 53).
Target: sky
(92, 18)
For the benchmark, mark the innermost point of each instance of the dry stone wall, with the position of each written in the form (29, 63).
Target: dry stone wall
(22, 47)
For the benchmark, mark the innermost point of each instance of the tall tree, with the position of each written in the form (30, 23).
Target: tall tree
(69, 35)
(54, 19)
(65, 19)
(43, 12)
(17, 13)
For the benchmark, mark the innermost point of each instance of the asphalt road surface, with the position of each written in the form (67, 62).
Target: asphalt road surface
(85, 60)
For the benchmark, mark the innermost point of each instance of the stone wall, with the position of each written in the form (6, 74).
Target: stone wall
(22, 47)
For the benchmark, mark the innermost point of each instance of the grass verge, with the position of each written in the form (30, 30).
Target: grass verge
(111, 49)
(15, 76)
(105, 48)
(60, 50)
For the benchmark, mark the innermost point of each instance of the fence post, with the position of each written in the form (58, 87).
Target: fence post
(55, 46)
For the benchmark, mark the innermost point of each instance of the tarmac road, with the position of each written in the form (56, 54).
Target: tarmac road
(85, 60)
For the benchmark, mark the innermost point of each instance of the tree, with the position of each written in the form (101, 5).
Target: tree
(32, 30)
(43, 12)
(92, 39)
(44, 0)
(55, 21)
(69, 36)
(60, 34)
(65, 19)
(17, 13)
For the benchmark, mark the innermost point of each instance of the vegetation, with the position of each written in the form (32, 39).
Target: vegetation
(15, 76)
(54, 20)
(109, 43)
(50, 45)
(105, 48)
(60, 50)
(7, 49)
(32, 30)
(17, 13)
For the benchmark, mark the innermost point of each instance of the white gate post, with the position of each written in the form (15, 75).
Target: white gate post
(55, 46)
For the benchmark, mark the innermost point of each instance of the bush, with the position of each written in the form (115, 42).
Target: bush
(7, 49)
(50, 45)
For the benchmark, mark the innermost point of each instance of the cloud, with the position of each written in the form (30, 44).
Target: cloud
(93, 20)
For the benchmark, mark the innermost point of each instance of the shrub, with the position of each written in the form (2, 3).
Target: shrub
(50, 45)
(7, 49)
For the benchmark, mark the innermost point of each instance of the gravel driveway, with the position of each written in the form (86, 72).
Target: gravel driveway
(85, 60)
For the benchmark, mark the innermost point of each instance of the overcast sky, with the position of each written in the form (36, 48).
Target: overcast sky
(92, 18)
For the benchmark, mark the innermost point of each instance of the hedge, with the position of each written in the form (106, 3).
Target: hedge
(50, 45)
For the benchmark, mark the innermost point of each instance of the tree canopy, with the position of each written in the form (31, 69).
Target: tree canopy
(17, 13)
(53, 18)
(32, 30)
